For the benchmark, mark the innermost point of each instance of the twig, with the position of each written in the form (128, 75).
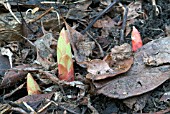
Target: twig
(18, 110)
(28, 107)
(23, 20)
(53, 79)
(122, 40)
(15, 90)
(100, 48)
(94, 111)
(40, 16)
(101, 14)
(69, 110)
(44, 107)
(8, 7)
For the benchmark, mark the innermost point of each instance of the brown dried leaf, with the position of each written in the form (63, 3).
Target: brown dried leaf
(35, 98)
(83, 5)
(133, 85)
(134, 8)
(76, 39)
(97, 67)
(76, 14)
(103, 71)
(4, 64)
(117, 62)
(141, 78)
(44, 50)
(16, 74)
(106, 22)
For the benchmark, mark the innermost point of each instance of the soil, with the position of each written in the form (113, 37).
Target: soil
(150, 28)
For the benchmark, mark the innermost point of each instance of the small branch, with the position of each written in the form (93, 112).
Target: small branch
(8, 7)
(14, 91)
(100, 48)
(39, 17)
(101, 14)
(122, 40)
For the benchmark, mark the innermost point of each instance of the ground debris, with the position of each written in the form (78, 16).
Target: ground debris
(141, 78)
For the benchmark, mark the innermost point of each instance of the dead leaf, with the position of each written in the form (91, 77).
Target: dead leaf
(44, 50)
(99, 69)
(129, 86)
(117, 62)
(141, 78)
(83, 5)
(16, 74)
(134, 8)
(4, 64)
(106, 22)
(76, 40)
(76, 14)
(35, 98)
(134, 11)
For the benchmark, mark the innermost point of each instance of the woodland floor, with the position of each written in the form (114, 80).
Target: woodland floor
(150, 26)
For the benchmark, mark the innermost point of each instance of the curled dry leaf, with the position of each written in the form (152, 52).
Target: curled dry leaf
(133, 12)
(32, 86)
(134, 8)
(35, 98)
(16, 74)
(44, 50)
(141, 78)
(76, 14)
(117, 62)
(119, 53)
(81, 50)
(83, 5)
(97, 68)
(13, 76)
(106, 22)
